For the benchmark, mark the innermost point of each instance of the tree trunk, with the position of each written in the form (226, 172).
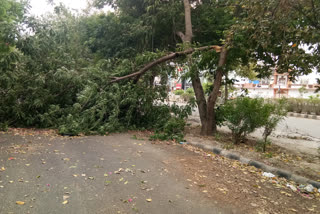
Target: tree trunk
(211, 125)
(188, 24)
(226, 93)
(201, 101)
(196, 82)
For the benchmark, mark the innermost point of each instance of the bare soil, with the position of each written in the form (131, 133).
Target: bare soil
(307, 165)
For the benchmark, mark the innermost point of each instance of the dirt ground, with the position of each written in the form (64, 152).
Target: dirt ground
(232, 183)
(307, 165)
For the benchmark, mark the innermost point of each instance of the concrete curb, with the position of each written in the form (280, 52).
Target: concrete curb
(279, 172)
(309, 116)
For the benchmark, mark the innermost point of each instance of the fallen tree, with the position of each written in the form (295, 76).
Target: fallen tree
(164, 59)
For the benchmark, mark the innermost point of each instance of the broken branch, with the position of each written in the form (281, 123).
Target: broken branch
(164, 59)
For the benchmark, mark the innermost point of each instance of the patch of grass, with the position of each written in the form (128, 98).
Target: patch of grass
(228, 146)
(134, 137)
(268, 154)
(217, 136)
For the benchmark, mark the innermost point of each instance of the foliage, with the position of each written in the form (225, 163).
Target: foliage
(275, 113)
(187, 97)
(243, 115)
(207, 88)
(178, 92)
(60, 83)
(190, 91)
(299, 105)
(172, 130)
(55, 70)
(279, 31)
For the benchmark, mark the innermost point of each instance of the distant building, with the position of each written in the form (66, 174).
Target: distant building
(278, 85)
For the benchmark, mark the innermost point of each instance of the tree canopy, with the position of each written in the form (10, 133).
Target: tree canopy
(63, 70)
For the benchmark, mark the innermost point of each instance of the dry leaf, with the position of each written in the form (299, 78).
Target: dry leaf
(65, 202)
(149, 199)
(20, 202)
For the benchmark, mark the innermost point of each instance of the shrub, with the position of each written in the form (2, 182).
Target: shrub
(172, 130)
(190, 91)
(243, 115)
(187, 97)
(178, 92)
(275, 112)
(4, 127)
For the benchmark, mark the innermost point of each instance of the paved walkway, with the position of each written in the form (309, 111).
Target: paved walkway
(96, 174)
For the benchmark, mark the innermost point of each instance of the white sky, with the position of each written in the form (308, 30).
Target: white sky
(40, 7)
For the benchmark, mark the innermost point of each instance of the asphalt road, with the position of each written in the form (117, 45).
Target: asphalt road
(96, 174)
(309, 127)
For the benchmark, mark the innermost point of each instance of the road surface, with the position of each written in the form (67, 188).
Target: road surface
(309, 127)
(88, 175)
(43, 173)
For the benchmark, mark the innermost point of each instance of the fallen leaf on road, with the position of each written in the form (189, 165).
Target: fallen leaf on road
(105, 175)
(11, 158)
(2, 169)
(91, 177)
(20, 202)
(126, 182)
(149, 199)
(66, 197)
(65, 202)
(27, 164)
(121, 179)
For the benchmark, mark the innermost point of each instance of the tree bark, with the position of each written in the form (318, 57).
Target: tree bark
(211, 125)
(196, 82)
(226, 92)
(188, 24)
(201, 101)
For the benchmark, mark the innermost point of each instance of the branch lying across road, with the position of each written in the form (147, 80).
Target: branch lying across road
(164, 59)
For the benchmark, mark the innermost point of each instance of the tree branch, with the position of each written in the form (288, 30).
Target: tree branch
(164, 59)
(181, 35)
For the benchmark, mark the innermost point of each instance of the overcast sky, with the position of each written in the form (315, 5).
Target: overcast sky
(40, 7)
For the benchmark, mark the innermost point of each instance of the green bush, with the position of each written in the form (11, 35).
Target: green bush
(275, 112)
(243, 116)
(4, 127)
(301, 105)
(187, 97)
(190, 91)
(172, 130)
(178, 92)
